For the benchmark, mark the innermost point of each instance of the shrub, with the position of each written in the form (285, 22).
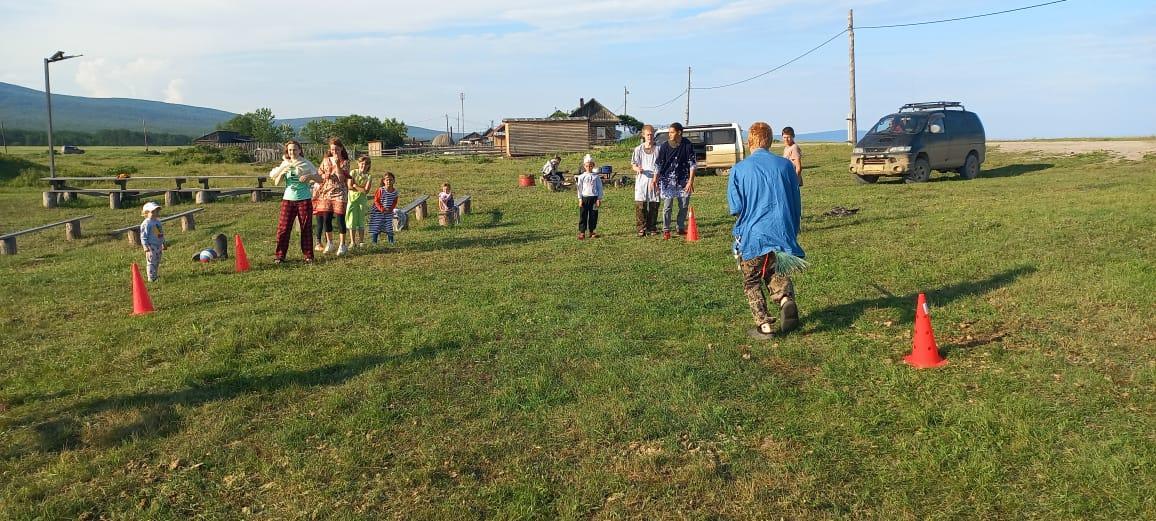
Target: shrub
(122, 169)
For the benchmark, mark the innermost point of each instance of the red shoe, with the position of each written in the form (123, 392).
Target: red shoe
(581, 235)
(666, 236)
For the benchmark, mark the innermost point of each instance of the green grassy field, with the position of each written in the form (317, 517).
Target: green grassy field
(502, 369)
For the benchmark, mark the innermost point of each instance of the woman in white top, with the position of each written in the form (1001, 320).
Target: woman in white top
(645, 195)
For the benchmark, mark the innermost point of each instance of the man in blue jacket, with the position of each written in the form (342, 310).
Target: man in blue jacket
(763, 192)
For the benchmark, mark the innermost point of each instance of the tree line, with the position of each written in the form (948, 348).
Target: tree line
(108, 137)
(262, 126)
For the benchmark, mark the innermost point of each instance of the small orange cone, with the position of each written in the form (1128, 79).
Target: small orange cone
(141, 303)
(242, 260)
(692, 227)
(924, 352)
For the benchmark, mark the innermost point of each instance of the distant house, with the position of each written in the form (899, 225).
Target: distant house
(222, 137)
(473, 138)
(603, 123)
(541, 136)
(495, 136)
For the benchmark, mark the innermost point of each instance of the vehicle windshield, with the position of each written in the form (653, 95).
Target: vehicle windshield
(899, 124)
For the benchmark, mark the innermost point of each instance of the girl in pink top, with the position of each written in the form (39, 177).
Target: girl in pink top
(333, 193)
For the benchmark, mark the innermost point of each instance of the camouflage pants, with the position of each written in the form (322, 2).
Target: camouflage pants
(760, 271)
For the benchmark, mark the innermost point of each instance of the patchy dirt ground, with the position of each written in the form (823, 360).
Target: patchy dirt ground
(1130, 150)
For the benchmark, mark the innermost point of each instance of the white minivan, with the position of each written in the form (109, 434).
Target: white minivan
(717, 147)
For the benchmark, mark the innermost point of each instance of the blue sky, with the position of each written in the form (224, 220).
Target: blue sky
(1077, 68)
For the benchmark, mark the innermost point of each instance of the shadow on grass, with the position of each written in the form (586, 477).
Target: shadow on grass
(1003, 171)
(841, 316)
(819, 224)
(159, 414)
(452, 243)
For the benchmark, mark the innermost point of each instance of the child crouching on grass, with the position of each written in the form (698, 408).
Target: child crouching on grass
(589, 199)
(152, 238)
(382, 209)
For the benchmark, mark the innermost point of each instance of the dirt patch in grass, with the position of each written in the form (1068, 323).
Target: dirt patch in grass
(1130, 150)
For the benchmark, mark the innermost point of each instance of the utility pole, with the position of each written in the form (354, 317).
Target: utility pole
(3, 137)
(624, 93)
(448, 127)
(462, 125)
(687, 96)
(852, 118)
(146, 132)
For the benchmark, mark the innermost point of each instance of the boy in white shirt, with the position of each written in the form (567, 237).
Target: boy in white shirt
(589, 199)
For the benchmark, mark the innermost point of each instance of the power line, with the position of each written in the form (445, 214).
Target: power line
(672, 100)
(958, 19)
(793, 60)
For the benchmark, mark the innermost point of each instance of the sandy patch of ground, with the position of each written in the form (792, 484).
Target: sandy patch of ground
(1130, 150)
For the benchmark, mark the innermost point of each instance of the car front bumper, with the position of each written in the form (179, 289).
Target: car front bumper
(880, 164)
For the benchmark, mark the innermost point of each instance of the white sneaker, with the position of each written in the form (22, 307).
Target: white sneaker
(328, 248)
(341, 250)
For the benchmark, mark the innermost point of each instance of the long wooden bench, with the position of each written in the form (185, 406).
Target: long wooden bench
(419, 209)
(208, 195)
(71, 232)
(188, 223)
(116, 198)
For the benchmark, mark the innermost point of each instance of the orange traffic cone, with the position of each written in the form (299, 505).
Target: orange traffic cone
(924, 352)
(692, 227)
(141, 303)
(242, 260)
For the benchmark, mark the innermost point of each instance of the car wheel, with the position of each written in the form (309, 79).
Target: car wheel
(866, 179)
(970, 168)
(920, 171)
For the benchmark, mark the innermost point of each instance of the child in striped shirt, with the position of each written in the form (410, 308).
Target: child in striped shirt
(382, 210)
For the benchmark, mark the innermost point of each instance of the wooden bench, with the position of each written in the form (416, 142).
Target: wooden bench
(61, 190)
(419, 209)
(116, 198)
(208, 195)
(71, 232)
(188, 223)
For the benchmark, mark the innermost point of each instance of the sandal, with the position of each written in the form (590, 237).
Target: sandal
(764, 331)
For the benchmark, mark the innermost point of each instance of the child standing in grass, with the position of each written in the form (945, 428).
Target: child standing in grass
(382, 209)
(355, 209)
(589, 199)
(792, 152)
(447, 211)
(152, 238)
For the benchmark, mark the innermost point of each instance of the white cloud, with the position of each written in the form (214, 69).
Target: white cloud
(173, 92)
(102, 78)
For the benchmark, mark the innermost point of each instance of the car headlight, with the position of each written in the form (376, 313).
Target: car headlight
(857, 150)
(893, 150)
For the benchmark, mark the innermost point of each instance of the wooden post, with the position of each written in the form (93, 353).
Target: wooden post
(205, 196)
(257, 195)
(421, 211)
(114, 200)
(69, 196)
(466, 206)
(8, 246)
(188, 223)
(49, 199)
(133, 237)
(172, 197)
(401, 222)
(72, 230)
(852, 118)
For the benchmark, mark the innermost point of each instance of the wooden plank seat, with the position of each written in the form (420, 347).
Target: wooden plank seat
(132, 233)
(418, 207)
(208, 195)
(71, 232)
(116, 198)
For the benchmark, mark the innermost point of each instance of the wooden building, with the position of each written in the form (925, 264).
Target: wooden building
(473, 138)
(496, 136)
(542, 136)
(222, 137)
(375, 148)
(603, 123)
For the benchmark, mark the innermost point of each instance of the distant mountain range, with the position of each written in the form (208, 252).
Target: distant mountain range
(24, 108)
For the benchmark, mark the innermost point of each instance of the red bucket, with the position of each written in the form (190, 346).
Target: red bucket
(525, 180)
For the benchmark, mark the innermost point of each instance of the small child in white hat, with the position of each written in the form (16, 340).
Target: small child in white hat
(152, 238)
(589, 185)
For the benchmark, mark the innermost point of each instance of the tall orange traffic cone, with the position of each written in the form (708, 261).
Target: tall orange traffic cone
(141, 303)
(242, 260)
(924, 352)
(692, 227)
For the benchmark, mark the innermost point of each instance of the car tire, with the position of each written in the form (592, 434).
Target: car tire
(866, 179)
(970, 168)
(920, 171)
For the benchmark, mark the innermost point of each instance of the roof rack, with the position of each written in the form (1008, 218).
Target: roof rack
(932, 105)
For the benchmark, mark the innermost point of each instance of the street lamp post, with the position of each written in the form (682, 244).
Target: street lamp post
(48, 94)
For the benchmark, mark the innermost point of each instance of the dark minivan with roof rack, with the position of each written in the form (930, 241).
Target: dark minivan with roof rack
(919, 138)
